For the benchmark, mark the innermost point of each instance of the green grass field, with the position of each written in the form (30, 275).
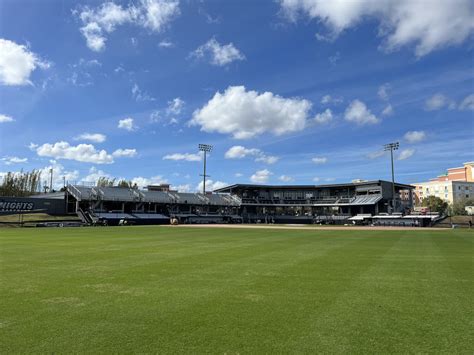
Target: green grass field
(209, 290)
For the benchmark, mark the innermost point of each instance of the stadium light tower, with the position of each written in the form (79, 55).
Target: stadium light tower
(391, 147)
(51, 180)
(206, 148)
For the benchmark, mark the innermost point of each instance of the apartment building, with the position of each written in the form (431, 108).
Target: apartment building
(457, 184)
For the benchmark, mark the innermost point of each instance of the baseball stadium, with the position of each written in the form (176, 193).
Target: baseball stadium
(243, 269)
(236, 177)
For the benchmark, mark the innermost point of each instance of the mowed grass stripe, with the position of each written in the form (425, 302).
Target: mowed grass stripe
(233, 291)
(388, 304)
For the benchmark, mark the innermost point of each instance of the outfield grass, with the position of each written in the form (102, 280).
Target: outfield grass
(168, 290)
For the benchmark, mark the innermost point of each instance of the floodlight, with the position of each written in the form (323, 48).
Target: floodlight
(391, 147)
(206, 148)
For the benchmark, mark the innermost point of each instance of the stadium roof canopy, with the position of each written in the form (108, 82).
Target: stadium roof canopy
(293, 187)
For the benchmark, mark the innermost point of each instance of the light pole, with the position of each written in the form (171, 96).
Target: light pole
(51, 180)
(391, 147)
(206, 148)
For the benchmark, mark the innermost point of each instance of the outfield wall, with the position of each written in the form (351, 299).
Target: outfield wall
(11, 205)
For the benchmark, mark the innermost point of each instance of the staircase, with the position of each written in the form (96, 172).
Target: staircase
(85, 218)
(74, 191)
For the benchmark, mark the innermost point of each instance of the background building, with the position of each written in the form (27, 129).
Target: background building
(457, 184)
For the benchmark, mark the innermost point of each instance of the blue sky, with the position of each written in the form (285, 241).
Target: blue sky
(291, 91)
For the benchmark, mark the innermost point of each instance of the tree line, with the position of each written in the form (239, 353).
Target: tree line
(21, 184)
(29, 183)
(457, 208)
(107, 182)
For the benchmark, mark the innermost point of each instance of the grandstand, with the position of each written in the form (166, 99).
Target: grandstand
(328, 204)
(299, 204)
(122, 205)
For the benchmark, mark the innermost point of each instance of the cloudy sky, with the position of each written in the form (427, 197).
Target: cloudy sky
(288, 91)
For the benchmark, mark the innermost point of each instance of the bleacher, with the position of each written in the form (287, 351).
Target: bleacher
(117, 194)
(157, 196)
(84, 193)
(188, 198)
(123, 194)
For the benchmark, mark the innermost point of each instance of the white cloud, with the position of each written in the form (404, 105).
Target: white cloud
(261, 176)
(139, 95)
(82, 152)
(358, 112)
(246, 114)
(439, 101)
(17, 63)
(175, 106)
(324, 117)
(32, 146)
(375, 155)
(285, 178)
(183, 156)
(402, 23)
(155, 116)
(328, 99)
(388, 110)
(81, 72)
(14, 160)
(127, 124)
(406, 153)
(415, 136)
(209, 19)
(143, 182)
(59, 174)
(165, 44)
(91, 137)
(238, 152)
(319, 160)
(316, 179)
(383, 91)
(124, 153)
(221, 55)
(466, 104)
(170, 115)
(153, 15)
(267, 159)
(158, 13)
(211, 185)
(182, 188)
(333, 59)
(237, 175)
(94, 175)
(5, 118)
